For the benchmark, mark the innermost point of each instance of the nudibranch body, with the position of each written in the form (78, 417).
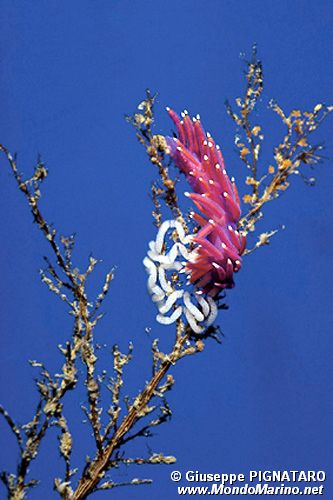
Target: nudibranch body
(187, 272)
(219, 245)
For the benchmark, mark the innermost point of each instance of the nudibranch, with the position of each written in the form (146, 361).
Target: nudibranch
(219, 244)
(209, 257)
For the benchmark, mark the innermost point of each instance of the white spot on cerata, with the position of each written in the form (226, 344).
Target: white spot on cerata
(205, 157)
(211, 181)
